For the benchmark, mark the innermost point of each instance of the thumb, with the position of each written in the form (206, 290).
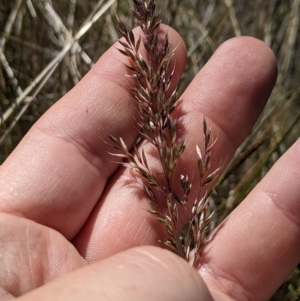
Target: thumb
(142, 273)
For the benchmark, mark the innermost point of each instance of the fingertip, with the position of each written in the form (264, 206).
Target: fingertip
(250, 73)
(233, 87)
(112, 61)
(254, 52)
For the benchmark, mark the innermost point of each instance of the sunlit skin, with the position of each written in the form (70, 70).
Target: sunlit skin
(73, 223)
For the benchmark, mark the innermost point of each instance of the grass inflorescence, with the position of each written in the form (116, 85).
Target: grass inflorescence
(156, 99)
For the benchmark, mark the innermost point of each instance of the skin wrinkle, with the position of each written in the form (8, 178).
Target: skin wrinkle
(228, 283)
(47, 256)
(50, 195)
(5, 295)
(90, 155)
(135, 231)
(31, 272)
(60, 265)
(155, 259)
(282, 177)
(281, 222)
(129, 229)
(52, 263)
(144, 239)
(275, 200)
(34, 243)
(137, 241)
(121, 234)
(5, 276)
(11, 281)
(222, 279)
(5, 203)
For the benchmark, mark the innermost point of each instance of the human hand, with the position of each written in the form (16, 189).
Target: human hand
(64, 203)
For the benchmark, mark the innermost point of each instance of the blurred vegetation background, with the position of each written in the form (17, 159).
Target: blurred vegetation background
(47, 46)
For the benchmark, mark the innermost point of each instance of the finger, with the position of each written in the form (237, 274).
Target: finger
(58, 172)
(144, 273)
(32, 255)
(230, 91)
(257, 247)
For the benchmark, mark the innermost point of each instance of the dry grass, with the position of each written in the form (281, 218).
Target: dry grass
(45, 49)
